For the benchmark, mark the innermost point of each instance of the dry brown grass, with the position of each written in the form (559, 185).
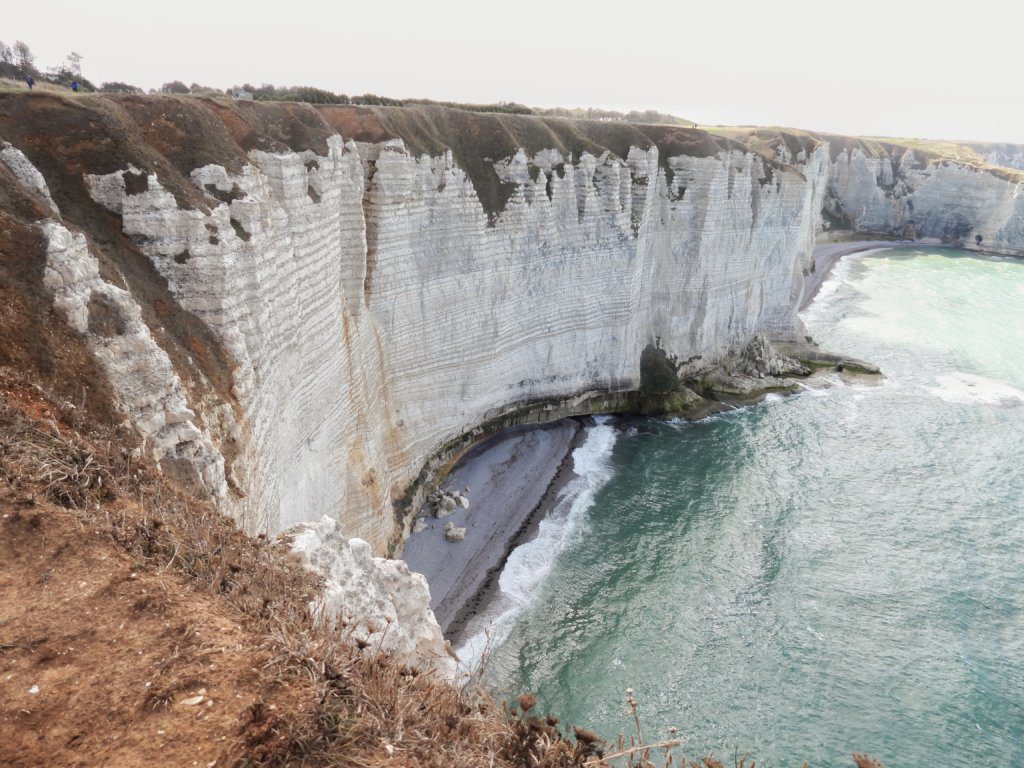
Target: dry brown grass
(7, 84)
(368, 710)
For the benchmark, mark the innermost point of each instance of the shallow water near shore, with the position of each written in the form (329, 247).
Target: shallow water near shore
(838, 571)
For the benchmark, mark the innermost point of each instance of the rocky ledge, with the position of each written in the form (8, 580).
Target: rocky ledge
(670, 387)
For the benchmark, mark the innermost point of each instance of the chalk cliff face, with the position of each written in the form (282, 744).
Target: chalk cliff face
(373, 312)
(372, 305)
(1006, 155)
(919, 199)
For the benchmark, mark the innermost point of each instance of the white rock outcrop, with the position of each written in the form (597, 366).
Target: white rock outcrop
(380, 603)
(139, 371)
(26, 173)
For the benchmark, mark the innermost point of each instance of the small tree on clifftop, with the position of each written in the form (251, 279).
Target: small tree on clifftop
(75, 63)
(24, 59)
(175, 86)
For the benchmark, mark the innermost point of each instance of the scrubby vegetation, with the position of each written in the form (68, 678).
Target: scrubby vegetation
(119, 87)
(645, 117)
(311, 95)
(366, 709)
(17, 62)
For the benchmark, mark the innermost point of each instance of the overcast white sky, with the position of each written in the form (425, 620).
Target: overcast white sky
(937, 69)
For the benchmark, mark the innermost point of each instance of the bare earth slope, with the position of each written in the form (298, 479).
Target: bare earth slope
(139, 627)
(112, 651)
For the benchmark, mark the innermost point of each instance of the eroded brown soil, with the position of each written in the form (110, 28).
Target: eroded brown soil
(100, 644)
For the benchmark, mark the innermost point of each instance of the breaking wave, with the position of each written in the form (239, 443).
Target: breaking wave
(530, 563)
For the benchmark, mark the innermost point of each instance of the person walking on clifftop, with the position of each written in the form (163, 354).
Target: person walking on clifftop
(30, 81)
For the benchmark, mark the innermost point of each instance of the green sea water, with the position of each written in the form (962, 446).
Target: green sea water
(837, 571)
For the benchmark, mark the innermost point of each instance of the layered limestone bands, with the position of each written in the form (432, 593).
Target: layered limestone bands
(908, 197)
(374, 311)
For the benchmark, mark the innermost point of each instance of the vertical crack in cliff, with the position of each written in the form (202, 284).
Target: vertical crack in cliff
(371, 226)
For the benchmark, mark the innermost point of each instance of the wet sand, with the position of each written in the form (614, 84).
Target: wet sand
(509, 477)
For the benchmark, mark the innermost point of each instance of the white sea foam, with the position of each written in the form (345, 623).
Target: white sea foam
(970, 389)
(830, 287)
(678, 422)
(530, 563)
(823, 391)
(814, 632)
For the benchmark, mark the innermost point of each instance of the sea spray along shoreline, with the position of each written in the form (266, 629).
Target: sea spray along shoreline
(835, 571)
(526, 487)
(505, 479)
(530, 562)
(529, 487)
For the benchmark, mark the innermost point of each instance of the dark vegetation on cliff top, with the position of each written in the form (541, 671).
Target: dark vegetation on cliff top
(190, 131)
(17, 62)
(480, 134)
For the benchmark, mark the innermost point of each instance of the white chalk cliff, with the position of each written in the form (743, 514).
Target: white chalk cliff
(1006, 155)
(944, 200)
(373, 312)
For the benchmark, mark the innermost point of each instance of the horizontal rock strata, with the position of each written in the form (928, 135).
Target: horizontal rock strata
(302, 326)
(373, 305)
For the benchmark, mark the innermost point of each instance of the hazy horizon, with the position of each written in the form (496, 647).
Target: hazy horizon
(873, 70)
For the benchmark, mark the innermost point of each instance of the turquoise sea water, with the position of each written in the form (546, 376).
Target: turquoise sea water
(838, 571)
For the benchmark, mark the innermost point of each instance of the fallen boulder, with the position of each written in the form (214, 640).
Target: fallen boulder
(453, 532)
